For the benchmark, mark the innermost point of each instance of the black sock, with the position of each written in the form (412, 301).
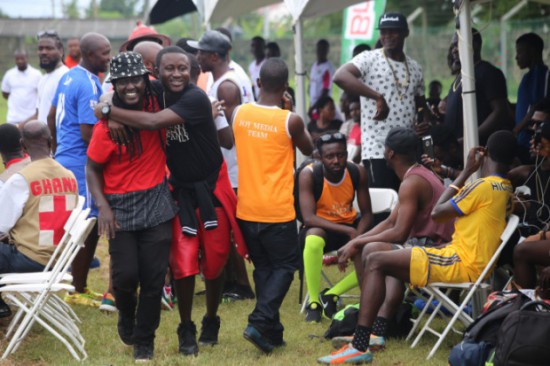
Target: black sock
(380, 326)
(361, 338)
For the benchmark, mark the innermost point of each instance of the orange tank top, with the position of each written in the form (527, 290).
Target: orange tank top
(266, 164)
(336, 201)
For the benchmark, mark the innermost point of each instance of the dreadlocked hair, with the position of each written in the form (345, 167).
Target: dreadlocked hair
(134, 148)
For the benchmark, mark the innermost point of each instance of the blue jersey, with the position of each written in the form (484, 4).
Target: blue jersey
(77, 94)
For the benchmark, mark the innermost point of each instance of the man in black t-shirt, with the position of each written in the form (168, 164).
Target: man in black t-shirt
(201, 187)
(493, 112)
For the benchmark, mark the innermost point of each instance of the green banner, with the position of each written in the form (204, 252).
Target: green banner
(360, 26)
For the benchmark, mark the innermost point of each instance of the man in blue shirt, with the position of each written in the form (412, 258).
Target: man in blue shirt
(71, 121)
(531, 89)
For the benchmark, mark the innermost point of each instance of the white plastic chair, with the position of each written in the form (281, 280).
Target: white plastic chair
(435, 293)
(382, 200)
(37, 301)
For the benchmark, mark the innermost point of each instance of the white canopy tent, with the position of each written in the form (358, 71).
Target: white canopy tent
(216, 10)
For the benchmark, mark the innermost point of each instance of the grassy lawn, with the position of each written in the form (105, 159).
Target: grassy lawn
(304, 340)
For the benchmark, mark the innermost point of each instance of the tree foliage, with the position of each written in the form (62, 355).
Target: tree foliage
(70, 10)
(126, 8)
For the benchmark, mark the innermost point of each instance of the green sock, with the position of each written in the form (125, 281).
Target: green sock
(346, 284)
(313, 263)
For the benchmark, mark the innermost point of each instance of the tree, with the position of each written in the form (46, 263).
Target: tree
(126, 8)
(70, 10)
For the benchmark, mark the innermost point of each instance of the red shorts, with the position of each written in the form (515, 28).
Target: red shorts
(206, 252)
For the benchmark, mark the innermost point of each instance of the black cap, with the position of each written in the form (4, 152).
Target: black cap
(402, 140)
(212, 41)
(393, 21)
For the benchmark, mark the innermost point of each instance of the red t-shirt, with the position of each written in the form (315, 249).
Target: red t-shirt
(355, 135)
(122, 175)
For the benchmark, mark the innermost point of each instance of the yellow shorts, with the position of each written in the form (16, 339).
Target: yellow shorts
(436, 265)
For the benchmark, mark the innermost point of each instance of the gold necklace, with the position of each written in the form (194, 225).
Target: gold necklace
(398, 84)
(455, 85)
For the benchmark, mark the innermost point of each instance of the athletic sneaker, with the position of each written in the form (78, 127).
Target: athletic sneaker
(252, 335)
(187, 337)
(125, 326)
(314, 312)
(95, 263)
(239, 292)
(376, 343)
(166, 299)
(209, 331)
(108, 303)
(81, 298)
(329, 303)
(347, 354)
(143, 353)
(93, 294)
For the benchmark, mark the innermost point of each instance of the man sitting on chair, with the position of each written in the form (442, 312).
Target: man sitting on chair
(327, 190)
(35, 203)
(409, 222)
(480, 208)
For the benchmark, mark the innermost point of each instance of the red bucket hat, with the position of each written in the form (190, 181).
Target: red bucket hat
(141, 33)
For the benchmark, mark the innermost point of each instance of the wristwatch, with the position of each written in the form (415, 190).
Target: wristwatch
(106, 110)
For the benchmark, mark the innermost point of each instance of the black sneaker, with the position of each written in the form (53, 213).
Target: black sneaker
(5, 310)
(209, 331)
(239, 292)
(313, 312)
(329, 303)
(125, 326)
(143, 353)
(187, 336)
(252, 335)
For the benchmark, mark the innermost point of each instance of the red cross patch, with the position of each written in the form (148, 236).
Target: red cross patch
(53, 212)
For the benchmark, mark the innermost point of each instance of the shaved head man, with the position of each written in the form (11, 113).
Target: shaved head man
(71, 121)
(148, 50)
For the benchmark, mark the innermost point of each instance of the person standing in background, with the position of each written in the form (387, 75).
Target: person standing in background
(320, 76)
(257, 48)
(20, 88)
(73, 54)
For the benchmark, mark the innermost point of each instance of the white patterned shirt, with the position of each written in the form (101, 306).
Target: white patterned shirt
(377, 75)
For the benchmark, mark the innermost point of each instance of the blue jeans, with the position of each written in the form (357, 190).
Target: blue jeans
(273, 250)
(11, 260)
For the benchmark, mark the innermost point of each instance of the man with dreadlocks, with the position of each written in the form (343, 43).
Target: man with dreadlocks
(135, 207)
(201, 185)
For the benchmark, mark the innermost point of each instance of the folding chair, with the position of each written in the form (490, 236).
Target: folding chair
(382, 200)
(435, 292)
(37, 302)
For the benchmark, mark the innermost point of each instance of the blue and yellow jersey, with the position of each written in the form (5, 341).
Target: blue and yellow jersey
(483, 206)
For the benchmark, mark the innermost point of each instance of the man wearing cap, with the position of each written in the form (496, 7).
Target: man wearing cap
(135, 207)
(480, 209)
(71, 120)
(391, 87)
(409, 223)
(213, 49)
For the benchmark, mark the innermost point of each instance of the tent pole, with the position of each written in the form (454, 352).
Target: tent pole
(469, 107)
(300, 77)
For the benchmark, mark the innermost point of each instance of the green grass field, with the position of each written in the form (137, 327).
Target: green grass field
(304, 340)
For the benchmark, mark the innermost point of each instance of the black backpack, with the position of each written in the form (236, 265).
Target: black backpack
(318, 180)
(523, 336)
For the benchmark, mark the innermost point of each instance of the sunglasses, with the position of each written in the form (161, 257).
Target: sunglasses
(47, 33)
(332, 137)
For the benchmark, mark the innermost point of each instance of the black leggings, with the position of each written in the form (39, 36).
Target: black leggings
(140, 258)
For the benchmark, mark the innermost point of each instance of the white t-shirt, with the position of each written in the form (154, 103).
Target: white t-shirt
(254, 72)
(46, 91)
(13, 197)
(23, 89)
(320, 77)
(246, 85)
(377, 75)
